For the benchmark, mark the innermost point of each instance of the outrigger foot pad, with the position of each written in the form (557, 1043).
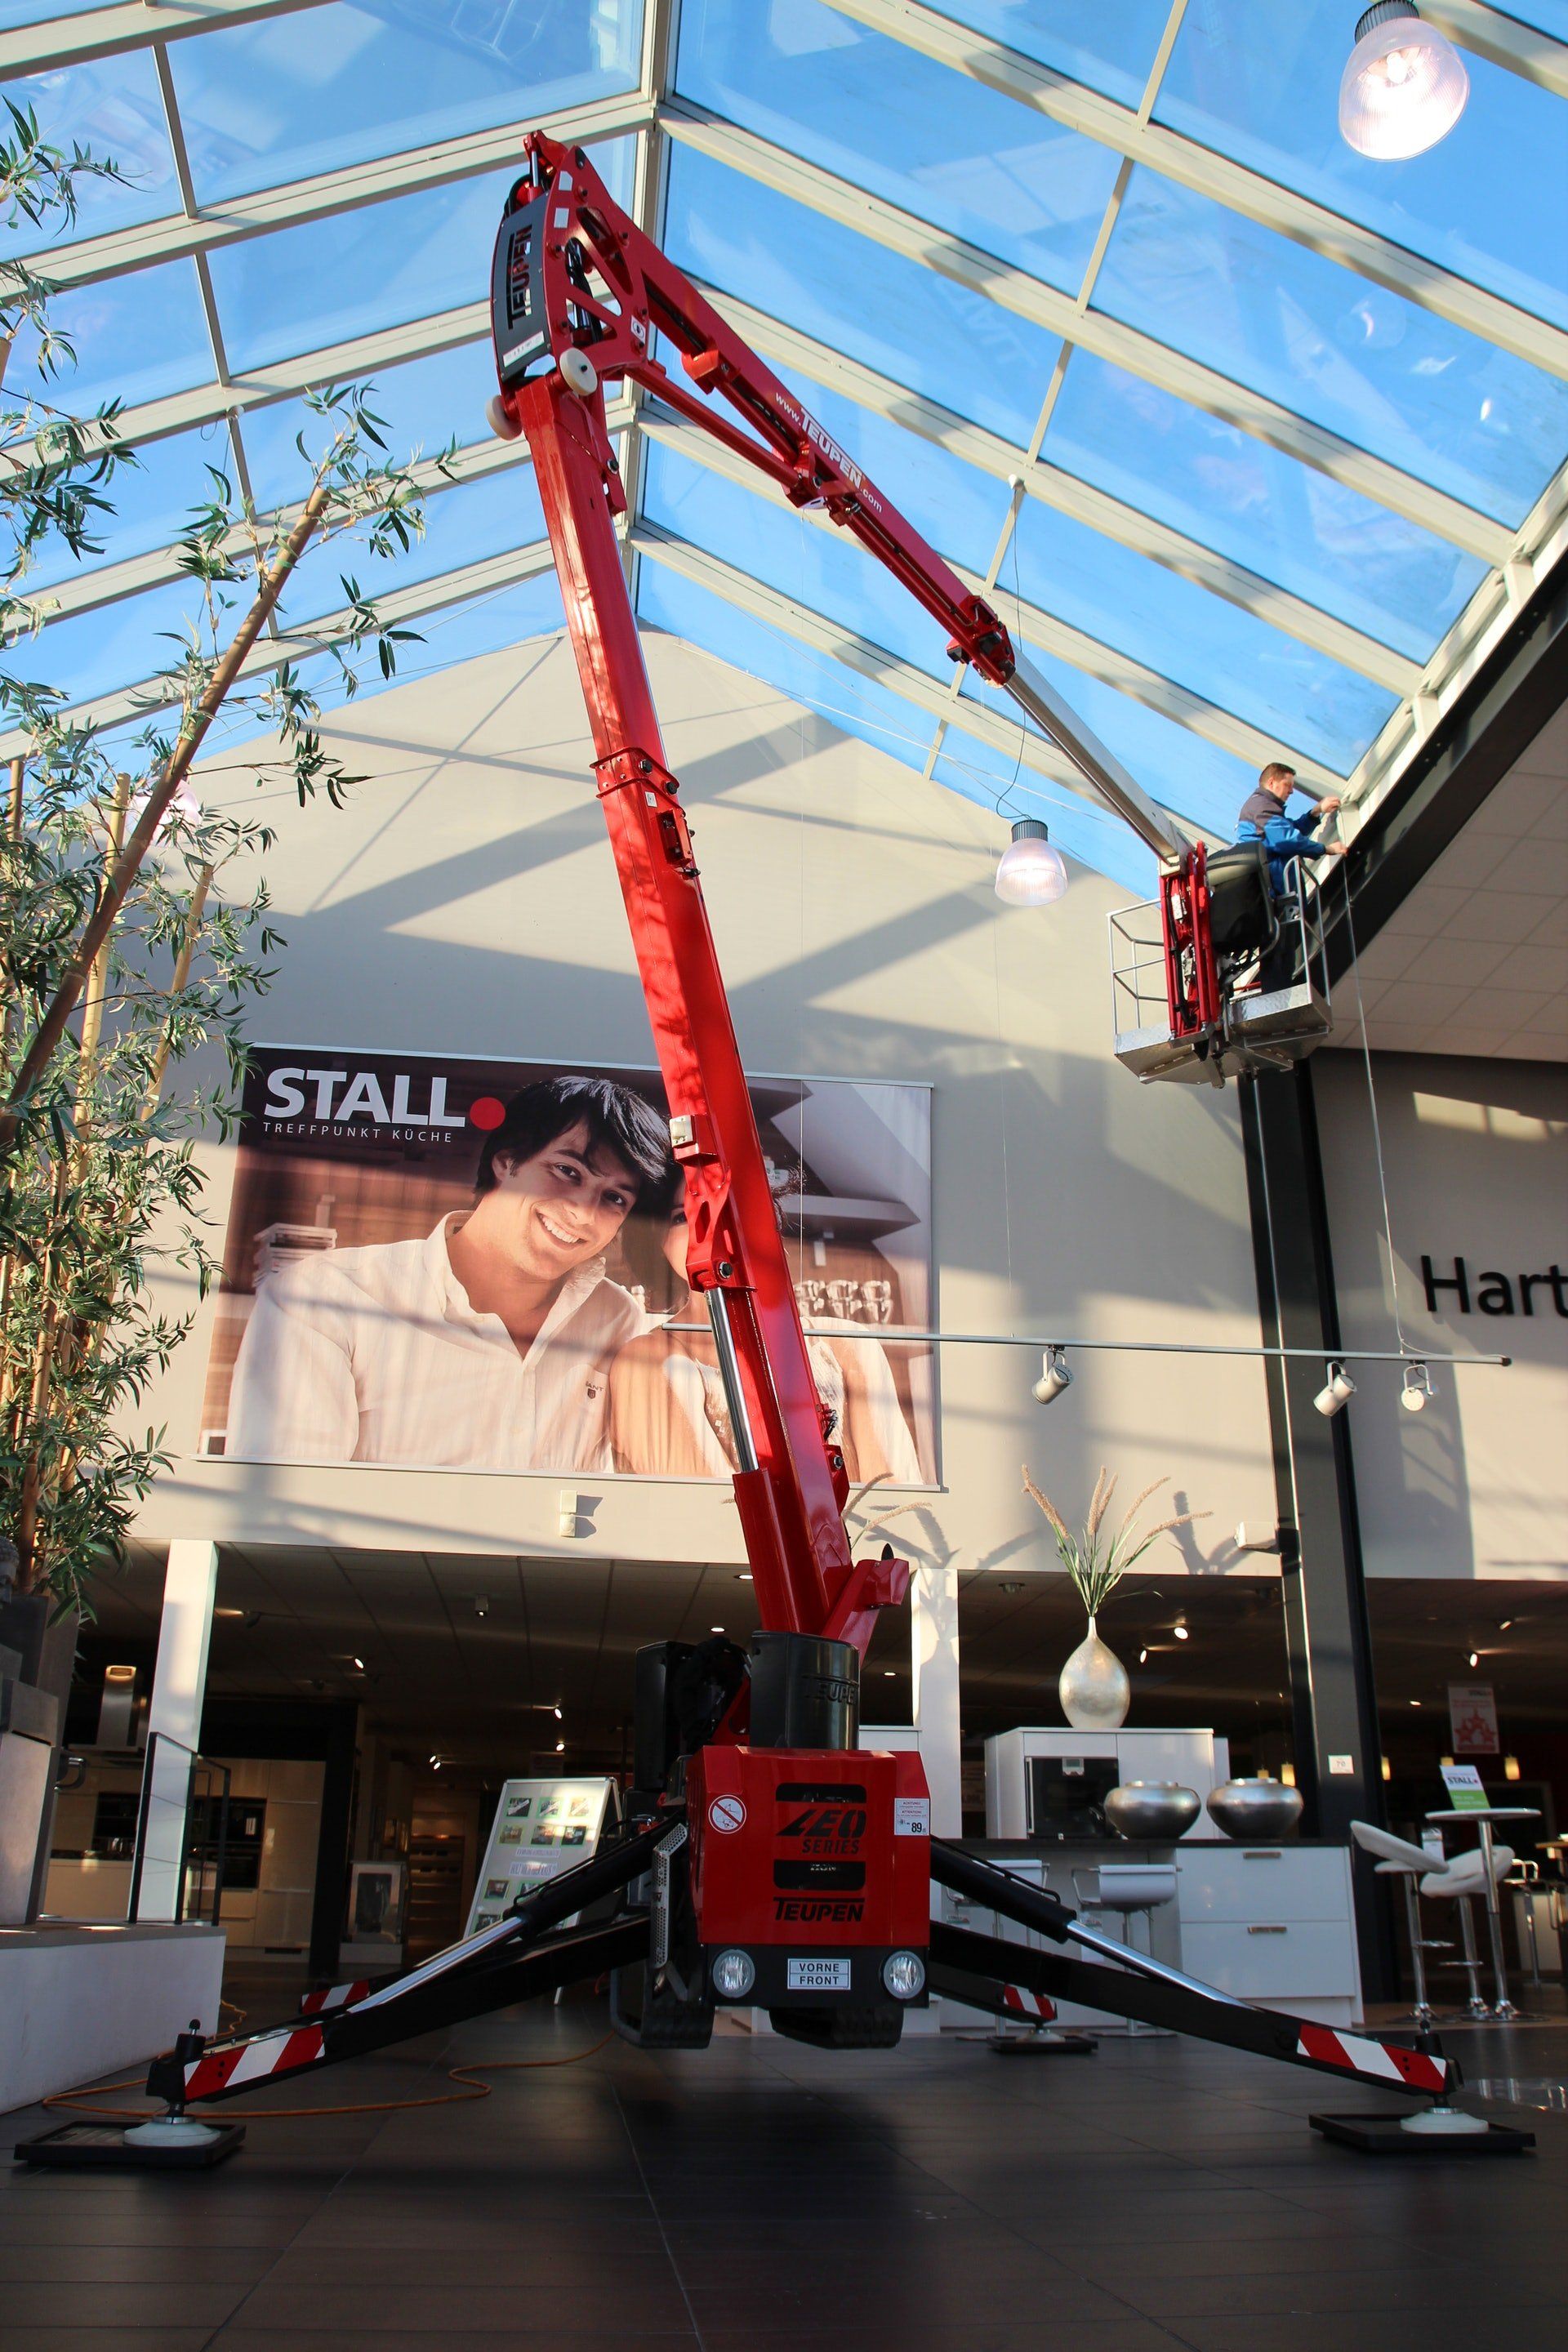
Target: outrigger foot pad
(163, 2144)
(1391, 2136)
(1051, 2042)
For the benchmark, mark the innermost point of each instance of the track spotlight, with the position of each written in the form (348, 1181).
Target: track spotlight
(560, 1748)
(1054, 1378)
(1417, 1388)
(1336, 1393)
(1403, 86)
(1475, 1657)
(1030, 872)
(1180, 1630)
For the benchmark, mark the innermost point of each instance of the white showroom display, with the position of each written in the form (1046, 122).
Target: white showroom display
(1271, 1922)
(1042, 1780)
(542, 1827)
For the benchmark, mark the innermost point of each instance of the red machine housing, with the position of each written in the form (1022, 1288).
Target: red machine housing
(813, 1862)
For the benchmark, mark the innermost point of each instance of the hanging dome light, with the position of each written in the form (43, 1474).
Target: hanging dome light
(1030, 873)
(1404, 86)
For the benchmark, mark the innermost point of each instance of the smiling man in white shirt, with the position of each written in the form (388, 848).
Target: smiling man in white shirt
(486, 1345)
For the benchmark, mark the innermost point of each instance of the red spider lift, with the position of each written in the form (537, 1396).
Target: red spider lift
(764, 1859)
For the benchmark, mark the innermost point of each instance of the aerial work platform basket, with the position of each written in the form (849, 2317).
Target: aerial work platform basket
(1216, 978)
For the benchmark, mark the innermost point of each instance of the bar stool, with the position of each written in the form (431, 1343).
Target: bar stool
(1458, 1879)
(1125, 1887)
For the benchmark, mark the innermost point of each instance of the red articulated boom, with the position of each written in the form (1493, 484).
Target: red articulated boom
(766, 1859)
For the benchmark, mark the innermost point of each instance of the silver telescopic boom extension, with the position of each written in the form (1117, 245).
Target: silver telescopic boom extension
(1099, 767)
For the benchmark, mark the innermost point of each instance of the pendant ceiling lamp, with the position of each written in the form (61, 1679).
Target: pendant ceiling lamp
(1404, 86)
(1030, 871)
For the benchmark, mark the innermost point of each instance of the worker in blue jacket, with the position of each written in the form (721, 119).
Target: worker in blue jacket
(1264, 817)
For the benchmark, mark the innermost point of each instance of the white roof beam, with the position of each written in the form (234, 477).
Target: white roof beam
(396, 607)
(810, 628)
(204, 403)
(86, 591)
(105, 32)
(1209, 173)
(1125, 347)
(1041, 631)
(1492, 34)
(1065, 494)
(357, 184)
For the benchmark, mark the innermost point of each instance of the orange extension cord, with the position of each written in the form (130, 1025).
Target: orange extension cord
(79, 2101)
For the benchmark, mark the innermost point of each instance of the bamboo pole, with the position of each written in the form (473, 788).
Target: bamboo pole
(51, 1028)
(177, 986)
(98, 977)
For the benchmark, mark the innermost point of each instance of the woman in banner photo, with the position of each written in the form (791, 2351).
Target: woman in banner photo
(667, 1414)
(487, 1345)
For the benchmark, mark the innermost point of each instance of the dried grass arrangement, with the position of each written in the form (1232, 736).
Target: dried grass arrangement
(1096, 1561)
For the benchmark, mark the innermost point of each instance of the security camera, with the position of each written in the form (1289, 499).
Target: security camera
(1054, 1378)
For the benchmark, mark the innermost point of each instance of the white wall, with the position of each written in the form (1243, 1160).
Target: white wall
(467, 901)
(1476, 1154)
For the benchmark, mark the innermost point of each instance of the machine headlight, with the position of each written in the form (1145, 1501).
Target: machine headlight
(904, 1974)
(734, 1974)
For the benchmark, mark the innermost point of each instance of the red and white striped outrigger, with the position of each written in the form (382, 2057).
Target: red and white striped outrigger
(528, 1953)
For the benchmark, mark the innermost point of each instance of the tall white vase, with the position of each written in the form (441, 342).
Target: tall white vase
(1094, 1688)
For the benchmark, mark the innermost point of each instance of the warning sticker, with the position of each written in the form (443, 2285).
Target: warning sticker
(726, 1814)
(911, 1817)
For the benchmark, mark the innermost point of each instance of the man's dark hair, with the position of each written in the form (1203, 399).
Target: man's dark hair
(1277, 772)
(617, 1118)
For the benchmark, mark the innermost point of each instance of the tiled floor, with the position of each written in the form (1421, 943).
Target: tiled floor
(762, 2196)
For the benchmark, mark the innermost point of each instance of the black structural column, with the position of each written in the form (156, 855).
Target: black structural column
(1333, 1701)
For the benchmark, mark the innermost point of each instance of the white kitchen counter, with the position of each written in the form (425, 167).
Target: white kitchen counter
(83, 1999)
(1268, 1924)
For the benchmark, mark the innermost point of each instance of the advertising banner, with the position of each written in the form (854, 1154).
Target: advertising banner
(480, 1265)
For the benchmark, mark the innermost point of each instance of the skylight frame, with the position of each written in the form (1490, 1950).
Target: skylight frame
(655, 113)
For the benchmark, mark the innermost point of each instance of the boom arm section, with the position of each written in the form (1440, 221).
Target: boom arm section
(573, 271)
(578, 295)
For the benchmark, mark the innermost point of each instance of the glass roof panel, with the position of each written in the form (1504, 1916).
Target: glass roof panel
(1183, 771)
(877, 114)
(261, 105)
(1426, 397)
(1258, 79)
(1229, 656)
(1110, 49)
(1397, 583)
(92, 653)
(856, 704)
(982, 773)
(462, 525)
(379, 266)
(33, 12)
(425, 403)
(774, 544)
(114, 109)
(954, 507)
(151, 499)
(866, 709)
(455, 633)
(816, 274)
(136, 338)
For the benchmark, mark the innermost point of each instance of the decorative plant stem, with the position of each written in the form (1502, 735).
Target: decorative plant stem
(1097, 1561)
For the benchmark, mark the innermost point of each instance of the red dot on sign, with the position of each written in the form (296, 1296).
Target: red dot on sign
(485, 1112)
